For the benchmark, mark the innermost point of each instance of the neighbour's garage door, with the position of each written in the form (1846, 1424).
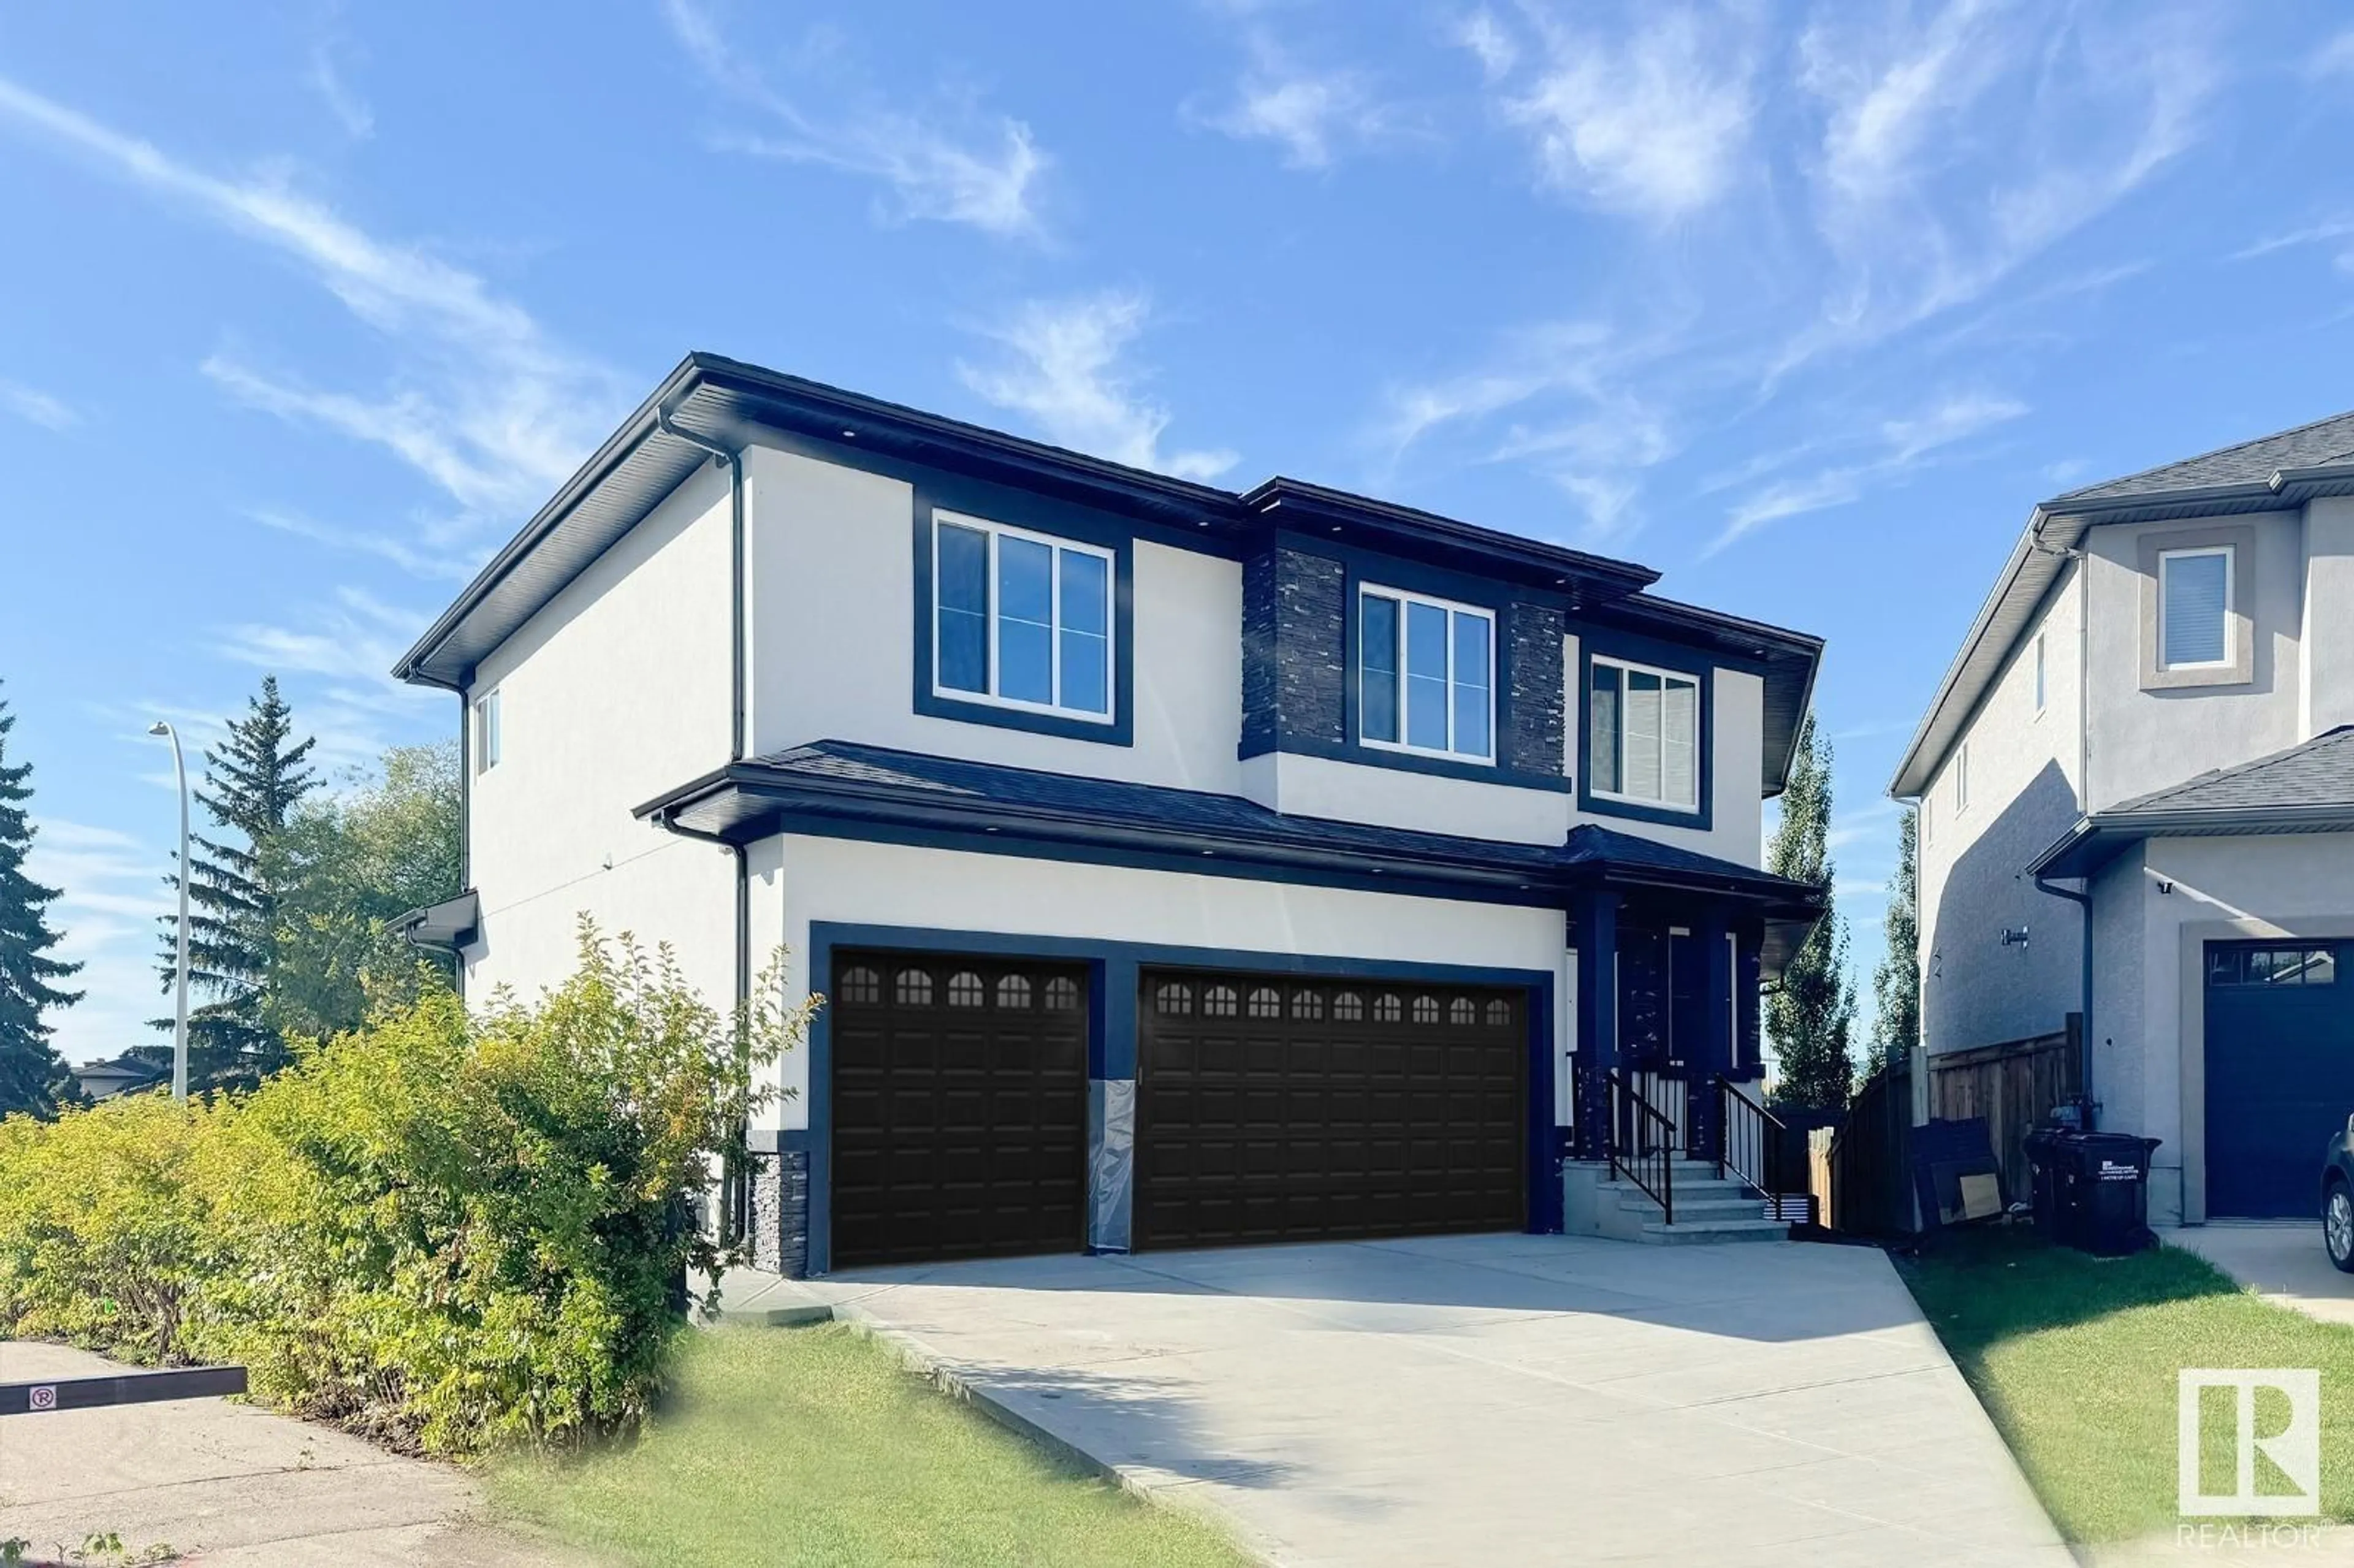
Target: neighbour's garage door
(1277, 1109)
(2280, 1073)
(960, 1108)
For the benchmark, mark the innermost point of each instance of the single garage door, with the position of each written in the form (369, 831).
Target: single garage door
(1279, 1108)
(2280, 1073)
(960, 1108)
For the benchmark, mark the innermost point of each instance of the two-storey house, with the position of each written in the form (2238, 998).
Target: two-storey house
(1179, 867)
(2136, 790)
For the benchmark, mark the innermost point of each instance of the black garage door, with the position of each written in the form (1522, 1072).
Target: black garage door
(960, 1108)
(1277, 1109)
(2280, 1073)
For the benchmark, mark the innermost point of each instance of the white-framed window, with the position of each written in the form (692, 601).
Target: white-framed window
(2040, 688)
(1961, 778)
(2194, 608)
(1425, 675)
(486, 731)
(1642, 735)
(1021, 620)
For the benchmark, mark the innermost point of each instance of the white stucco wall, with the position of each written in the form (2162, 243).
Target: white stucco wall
(616, 691)
(2326, 646)
(2024, 766)
(2148, 1005)
(843, 881)
(831, 611)
(2139, 740)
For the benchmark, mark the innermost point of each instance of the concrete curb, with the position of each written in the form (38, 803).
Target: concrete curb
(920, 1358)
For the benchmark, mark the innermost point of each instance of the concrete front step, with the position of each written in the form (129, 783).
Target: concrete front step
(1684, 1232)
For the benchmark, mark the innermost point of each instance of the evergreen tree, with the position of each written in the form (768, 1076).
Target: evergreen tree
(1808, 1017)
(1896, 987)
(32, 1077)
(237, 885)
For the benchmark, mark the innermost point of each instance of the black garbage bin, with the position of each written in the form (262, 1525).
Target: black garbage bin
(2101, 1191)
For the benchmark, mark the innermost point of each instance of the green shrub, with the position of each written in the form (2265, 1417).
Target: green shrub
(452, 1231)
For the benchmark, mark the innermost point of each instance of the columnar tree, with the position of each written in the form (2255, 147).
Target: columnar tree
(32, 1077)
(237, 885)
(1896, 986)
(1808, 1016)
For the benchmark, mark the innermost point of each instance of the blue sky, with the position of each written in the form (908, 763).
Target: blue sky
(308, 306)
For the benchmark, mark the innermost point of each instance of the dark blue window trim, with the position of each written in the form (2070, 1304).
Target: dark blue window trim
(1113, 974)
(1362, 569)
(1660, 655)
(1039, 515)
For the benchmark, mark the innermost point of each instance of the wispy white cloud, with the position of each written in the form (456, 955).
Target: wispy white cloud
(1889, 452)
(1654, 122)
(1958, 143)
(1065, 375)
(2335, 234)
(350, 110)
(37, 407)
(1490, 44)
(1313, 115)
(417, 560)
(1583, 403)
(2335, 57)
(481, 402)
(342, 649)
(986, 174)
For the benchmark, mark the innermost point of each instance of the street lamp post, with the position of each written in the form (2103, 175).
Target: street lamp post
(180, 1026)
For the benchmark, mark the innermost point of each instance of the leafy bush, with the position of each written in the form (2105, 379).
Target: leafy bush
(451, 1230)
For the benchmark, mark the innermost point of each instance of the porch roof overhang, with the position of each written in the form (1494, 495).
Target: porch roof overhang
(844, 790)
(2100, 838)
(448, 925)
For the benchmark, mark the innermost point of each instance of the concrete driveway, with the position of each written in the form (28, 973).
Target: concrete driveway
(1491, 1399)
(2281, 1260)
(221, 1483)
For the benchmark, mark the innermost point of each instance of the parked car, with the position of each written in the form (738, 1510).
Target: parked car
(2338, 1197)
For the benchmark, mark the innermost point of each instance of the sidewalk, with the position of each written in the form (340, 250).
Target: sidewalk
(220, 1483)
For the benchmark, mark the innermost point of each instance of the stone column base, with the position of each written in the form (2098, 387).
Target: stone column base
(779, 1219)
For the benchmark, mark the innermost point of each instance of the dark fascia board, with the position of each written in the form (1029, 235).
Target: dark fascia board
(617, 446)
(2096, 839)
(788, 803)
(1587, 579)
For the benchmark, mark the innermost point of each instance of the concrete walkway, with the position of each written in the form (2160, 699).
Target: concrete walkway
(2281, 1260)
(1488, 1399)
(221, 1483)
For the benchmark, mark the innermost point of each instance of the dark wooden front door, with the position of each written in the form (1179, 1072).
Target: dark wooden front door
(1271, 1108)
(960, 1108)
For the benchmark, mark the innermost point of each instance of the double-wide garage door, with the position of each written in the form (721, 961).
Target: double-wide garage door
(2280, 1073)
(1268, 1108)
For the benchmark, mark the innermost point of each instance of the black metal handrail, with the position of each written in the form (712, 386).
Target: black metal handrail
(1642, 1145)
(1752, 1145)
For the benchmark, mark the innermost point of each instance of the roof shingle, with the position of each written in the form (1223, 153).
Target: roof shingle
(2323, 442)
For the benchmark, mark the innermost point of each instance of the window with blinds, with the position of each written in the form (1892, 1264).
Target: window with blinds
(1644, 735)
(2194, 608)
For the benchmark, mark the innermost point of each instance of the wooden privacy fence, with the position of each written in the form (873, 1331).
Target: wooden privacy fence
(2015, 1086)
(1865, 1163)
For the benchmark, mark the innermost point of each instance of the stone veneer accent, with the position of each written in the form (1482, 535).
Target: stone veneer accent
(1534, 717)
(779, 1228)
(1295, 649)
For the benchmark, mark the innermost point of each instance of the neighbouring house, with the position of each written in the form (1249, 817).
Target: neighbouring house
(1180, 866)
(121, 1074)
(2136, 797)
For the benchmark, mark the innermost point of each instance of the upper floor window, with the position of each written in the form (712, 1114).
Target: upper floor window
(2039, 691)
(1022, 620)
(486, 731)
(1643, 736)
(1426, 675)
(2194, 608)
(1962, 779)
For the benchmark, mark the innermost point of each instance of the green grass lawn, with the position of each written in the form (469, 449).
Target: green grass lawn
(816, 1445)
(2075, 1358)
